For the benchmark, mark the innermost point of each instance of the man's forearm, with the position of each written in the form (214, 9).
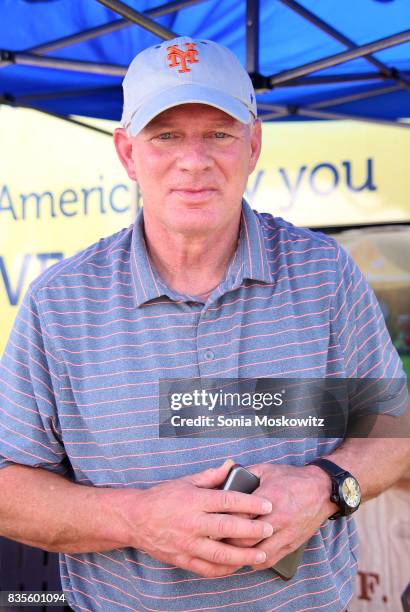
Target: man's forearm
(180, 522)
(48, 511)
(377, 463)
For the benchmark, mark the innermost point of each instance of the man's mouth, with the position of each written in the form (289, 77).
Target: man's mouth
(195, 195)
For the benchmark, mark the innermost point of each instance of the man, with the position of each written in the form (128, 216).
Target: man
(199, 287)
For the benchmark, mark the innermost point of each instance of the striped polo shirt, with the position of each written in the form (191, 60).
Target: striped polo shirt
(79, 394)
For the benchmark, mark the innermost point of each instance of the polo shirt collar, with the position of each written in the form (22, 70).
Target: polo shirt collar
(252, 246)
(249, 261)
(146, 283)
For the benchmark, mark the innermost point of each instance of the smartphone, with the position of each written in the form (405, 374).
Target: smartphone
(241, 479)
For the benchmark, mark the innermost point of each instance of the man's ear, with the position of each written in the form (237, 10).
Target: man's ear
(256, 143)
(123, 145)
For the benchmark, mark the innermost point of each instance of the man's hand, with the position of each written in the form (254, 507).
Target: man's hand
(181, 522)
(300, 504)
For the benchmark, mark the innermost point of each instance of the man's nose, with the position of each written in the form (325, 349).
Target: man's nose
(194, 155)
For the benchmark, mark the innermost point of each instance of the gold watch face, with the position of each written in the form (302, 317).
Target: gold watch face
(351, 492)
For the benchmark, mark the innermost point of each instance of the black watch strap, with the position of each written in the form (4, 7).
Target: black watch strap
(329, 467)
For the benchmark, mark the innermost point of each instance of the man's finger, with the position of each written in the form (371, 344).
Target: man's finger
(261, 468)
(234, 502)
(214, 477)
(275, 548)
(221, 526)
(223, 554)
(244, 542)
(247, 515)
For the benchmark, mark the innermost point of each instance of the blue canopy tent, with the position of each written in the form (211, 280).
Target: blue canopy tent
(309, 59)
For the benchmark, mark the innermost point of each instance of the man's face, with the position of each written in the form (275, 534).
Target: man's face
(192, 163)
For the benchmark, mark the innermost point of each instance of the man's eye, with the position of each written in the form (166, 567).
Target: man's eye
(221, 135)
(165, 136)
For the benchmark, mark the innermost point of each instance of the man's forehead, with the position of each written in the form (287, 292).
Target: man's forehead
(184, 112)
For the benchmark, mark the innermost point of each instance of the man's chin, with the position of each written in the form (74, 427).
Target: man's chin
(195, 219)
(193, 226)
(195, 212)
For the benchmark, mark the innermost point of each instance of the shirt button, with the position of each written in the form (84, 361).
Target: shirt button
(209, 355)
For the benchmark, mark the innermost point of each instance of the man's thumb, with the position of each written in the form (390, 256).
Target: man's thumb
(213, 477)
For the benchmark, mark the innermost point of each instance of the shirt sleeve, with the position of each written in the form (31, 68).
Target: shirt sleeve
(377, 380)
(29, 392)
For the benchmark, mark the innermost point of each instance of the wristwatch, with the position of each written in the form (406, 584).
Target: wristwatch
(345, 488)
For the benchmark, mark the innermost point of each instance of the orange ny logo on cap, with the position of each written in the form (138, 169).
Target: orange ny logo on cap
(179, 57)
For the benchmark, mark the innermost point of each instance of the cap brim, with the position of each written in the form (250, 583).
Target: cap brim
(187, 93)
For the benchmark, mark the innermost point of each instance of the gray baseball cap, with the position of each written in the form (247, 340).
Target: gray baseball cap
(181, 71)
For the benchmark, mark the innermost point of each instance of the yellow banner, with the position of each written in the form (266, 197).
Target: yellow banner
(62, 187)
(333, 173)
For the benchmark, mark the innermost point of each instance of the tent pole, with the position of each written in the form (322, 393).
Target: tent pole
(66, 41)
(112, 26)
(340, 58)
(354, 97)
(274, 116)
(307, 112)
(340, 78)
(279, 111)
(53, 95)
(325, 27)
(272, 107)
(26, 59)
(71, 93)
(107, 28)
(139, 18)
(252, 36)
(171, 7)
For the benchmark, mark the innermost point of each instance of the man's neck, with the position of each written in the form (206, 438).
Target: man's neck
(192, 265)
